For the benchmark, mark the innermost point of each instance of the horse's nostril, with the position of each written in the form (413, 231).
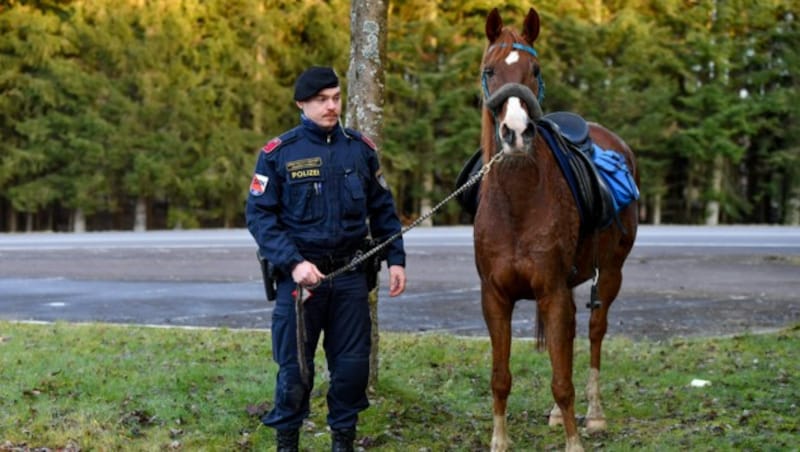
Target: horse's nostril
(529, 133)
(507, 134)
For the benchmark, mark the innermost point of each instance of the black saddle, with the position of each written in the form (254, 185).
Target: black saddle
(572, 128)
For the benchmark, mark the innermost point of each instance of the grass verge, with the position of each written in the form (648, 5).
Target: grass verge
(107, 387)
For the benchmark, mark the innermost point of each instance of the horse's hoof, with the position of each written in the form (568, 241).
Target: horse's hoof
(574, 445)
(596, 425)
(555, 420)
(499, 446)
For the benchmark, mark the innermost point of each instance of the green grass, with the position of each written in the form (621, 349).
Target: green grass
(105, 387)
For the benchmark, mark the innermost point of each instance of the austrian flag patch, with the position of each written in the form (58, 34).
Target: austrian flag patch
(258, 184)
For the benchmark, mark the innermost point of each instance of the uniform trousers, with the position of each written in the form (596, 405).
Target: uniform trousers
(340, 309)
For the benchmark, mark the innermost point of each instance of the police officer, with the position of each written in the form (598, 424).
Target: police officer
(316, 194)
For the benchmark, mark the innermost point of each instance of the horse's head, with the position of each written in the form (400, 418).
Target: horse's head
(512, 85)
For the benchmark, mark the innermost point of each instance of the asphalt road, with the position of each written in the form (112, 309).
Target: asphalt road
(679, 281)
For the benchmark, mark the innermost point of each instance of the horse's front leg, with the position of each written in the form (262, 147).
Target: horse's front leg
(497, 313)
(608, 286)
(558, 312)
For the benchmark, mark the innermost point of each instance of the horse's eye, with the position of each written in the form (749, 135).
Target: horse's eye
(488, 72)
(536, 70)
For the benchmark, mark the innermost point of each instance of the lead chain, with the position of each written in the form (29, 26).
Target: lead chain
(361, 257)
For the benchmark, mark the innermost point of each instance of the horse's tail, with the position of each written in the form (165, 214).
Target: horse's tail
(541, 342)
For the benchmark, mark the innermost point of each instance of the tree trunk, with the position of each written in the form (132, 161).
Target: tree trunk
(793, 208)
(140, 216)
(365, 85)
(261, 60)
(657, 202)
(12, 219)
(712, 207)
(426, 205)
(78, 221)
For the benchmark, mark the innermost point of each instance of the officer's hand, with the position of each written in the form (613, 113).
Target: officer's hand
(307, 274)
(397, 280)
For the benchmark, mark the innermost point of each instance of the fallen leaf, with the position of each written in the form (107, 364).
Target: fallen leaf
(258, 410)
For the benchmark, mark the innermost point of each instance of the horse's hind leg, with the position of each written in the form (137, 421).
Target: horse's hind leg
(497, 314)
(555, 418)
(608, 286)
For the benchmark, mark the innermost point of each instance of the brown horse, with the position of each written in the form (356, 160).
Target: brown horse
(529, 243)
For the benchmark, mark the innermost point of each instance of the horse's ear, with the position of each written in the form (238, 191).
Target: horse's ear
(531, 27)
(494, 25)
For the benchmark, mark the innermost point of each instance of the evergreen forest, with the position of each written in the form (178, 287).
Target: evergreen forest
(149, 114)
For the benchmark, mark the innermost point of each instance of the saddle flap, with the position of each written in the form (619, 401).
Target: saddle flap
(468, 199)
(592, 197)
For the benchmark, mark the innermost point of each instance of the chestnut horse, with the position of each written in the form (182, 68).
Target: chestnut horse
(529, 243)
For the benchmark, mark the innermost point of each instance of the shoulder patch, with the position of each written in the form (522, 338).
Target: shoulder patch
(258, 184)
(272, 145)
(369, 142)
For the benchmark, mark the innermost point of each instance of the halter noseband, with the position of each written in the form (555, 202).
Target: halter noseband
(518, 46)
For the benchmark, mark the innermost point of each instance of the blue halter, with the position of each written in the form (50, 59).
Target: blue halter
(526, 48)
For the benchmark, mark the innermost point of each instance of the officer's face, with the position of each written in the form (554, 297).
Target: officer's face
(324, 108)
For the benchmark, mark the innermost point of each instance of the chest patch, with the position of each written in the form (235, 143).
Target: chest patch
(300, 169)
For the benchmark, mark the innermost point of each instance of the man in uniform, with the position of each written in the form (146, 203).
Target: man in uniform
(316, 195)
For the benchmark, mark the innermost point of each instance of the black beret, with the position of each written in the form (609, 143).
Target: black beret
(314, 80)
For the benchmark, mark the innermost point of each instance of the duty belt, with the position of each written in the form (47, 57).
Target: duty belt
(328, 264)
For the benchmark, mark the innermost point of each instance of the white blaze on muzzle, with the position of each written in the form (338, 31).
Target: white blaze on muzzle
(516, 119)
(514, 101)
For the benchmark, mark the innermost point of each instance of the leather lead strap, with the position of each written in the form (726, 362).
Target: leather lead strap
(301, 335)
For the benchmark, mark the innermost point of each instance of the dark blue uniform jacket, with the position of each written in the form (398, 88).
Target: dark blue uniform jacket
(313, 193)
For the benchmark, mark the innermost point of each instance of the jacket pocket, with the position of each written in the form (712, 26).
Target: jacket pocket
(306, 204)
(354, 202)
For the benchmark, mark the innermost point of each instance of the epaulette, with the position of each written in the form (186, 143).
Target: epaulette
(279, 141)
(356, 134)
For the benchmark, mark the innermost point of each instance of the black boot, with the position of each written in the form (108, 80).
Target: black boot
(343, 440)
(287, 440)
